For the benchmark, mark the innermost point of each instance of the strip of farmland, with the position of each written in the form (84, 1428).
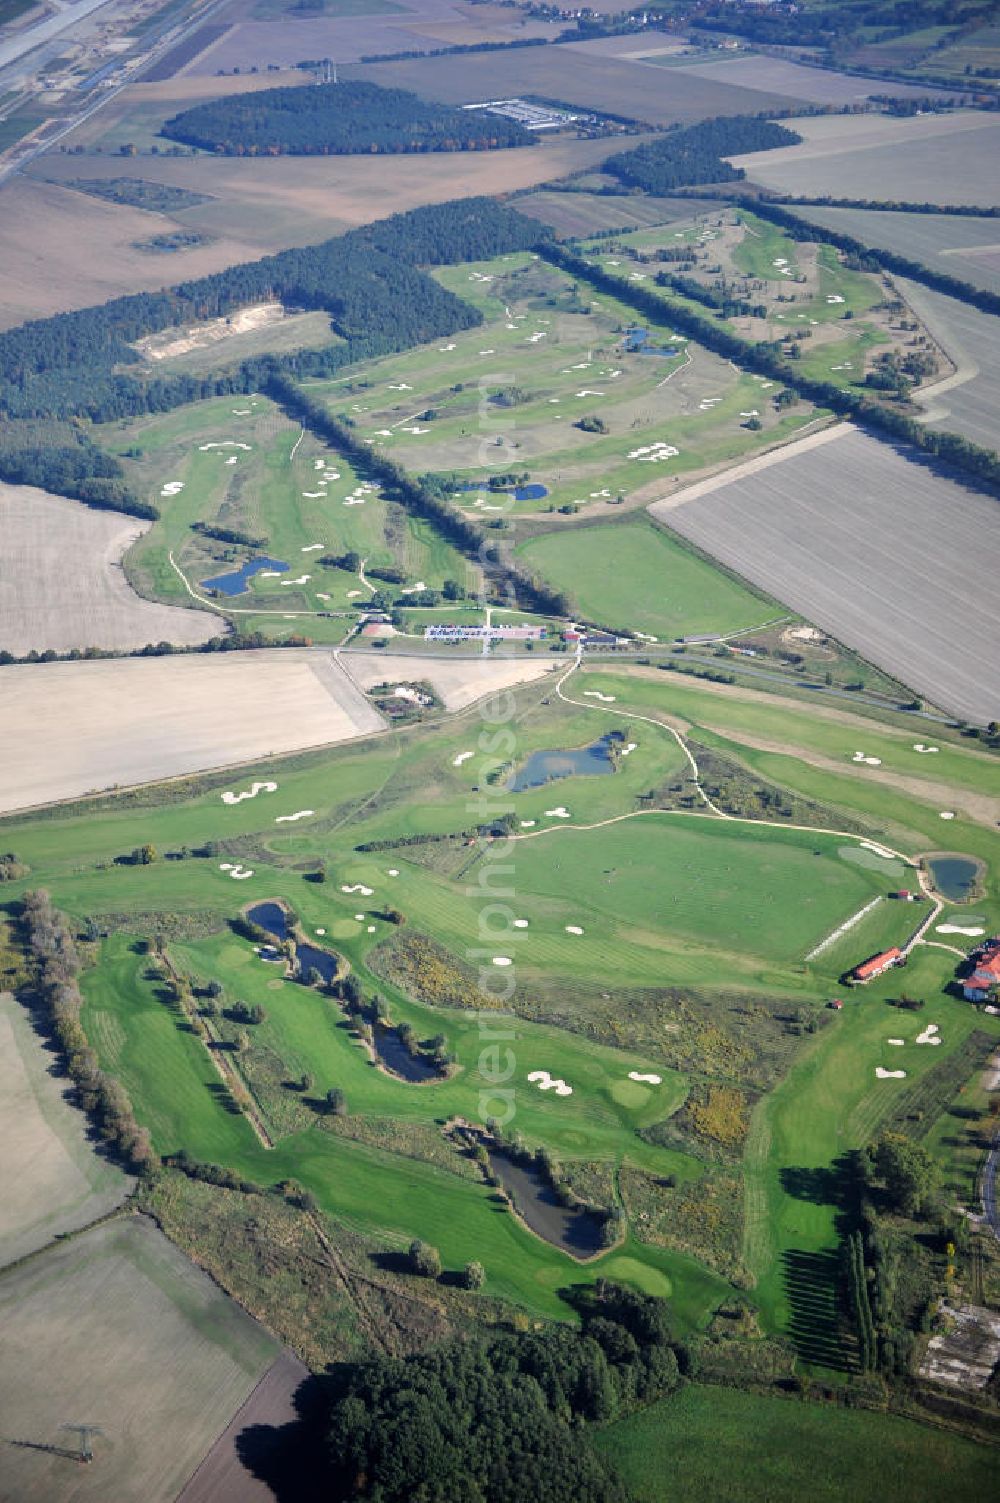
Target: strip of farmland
(896, 561)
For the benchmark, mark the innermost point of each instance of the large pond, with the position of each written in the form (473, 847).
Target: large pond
(575, 1230)
(955, 877)
(545, 766)
(637, 343)
(236, 582)
(532, 490)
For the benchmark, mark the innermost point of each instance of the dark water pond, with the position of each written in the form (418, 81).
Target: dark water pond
(576, 1231)
(236, 582)
(272, 917)
(545, 766)
(954, 877)
(396, 1057)
(533, 492)
(637, 343)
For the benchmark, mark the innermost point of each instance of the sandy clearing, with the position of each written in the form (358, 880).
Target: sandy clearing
(875, 570)
(117, 1327)
(457, 681)
(979, 807)
(62, 584)
(53, 1181)
(137, 720)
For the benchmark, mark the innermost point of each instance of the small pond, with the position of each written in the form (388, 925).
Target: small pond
(272, 917)
(394, 1054)
(575, 1231)
(236, 582)
(545, 766)
(532, 492)
(637, 343)
(955, 877)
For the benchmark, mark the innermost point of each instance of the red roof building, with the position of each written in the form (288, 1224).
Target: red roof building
(985, 978)
(869, 969)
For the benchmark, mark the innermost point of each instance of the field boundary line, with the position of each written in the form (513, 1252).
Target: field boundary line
(777, 455)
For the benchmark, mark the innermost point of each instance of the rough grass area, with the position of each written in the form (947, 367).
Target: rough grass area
(638, 578)
(714, 1442)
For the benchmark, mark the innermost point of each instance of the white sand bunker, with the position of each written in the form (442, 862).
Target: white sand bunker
(869, 761)
(629, 748)
(237, 872)
(881, 1074)
(520, 923)
(237, 798)
(835, 297)
(502, 960)
(371, 928)
(897, 1042)
(918, 746)
(959, 929)
(321, 932)
(573, 929)
(394, 871)
(311, 547)
(528, 824)
(644, 1079)
(462, 757)
(545, 1082)
(231, 459)
(172, 488)
(359, 918)
(653, 453)
(314, 495)
(560, 813)
(302, 579)
(930, 1035)
(289, 819)
(947, 814)
(228, 443)
(606, 699)
(360, 887)
(241, 412)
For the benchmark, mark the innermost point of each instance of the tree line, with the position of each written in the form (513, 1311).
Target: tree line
(57, 965)
(78, 469)
(336, 119)
(509, 582)
(504, 1417)
(982, 465)
(685, 156)
(369, 281)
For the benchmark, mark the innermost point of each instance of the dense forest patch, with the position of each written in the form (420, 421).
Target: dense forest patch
(682, 158)
(337, 120)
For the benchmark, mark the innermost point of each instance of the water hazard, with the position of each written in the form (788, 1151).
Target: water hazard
(637, 343)
(573, 1229)
(238, 581)
(955, 877)
(545, 766)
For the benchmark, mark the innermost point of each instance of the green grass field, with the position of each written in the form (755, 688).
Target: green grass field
(720, 907)
(637, 577)
(747, 1448)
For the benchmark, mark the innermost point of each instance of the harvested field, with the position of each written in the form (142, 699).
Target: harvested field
(775, 75)
(945, 159)
(222, 1476)
(63, 249)
(458, 681)
(64, 586)
(118, 1329)
(53, 1180)
(587, 213)
(967, 402)
(139, 719)
(574, 77)
(874, 547)
(956, 245)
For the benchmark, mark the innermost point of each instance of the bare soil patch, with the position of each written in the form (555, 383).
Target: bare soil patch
(457, 681)
(63, 585)
(116, 1328)
(137, 720)
(53, 1180)
(890, 557)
